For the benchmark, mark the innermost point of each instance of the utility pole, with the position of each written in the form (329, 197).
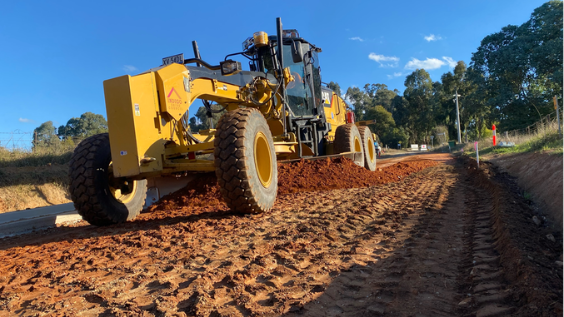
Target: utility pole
(457, 115)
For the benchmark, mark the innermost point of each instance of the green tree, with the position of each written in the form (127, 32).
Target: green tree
(380, 95)
(395, 136)
(385, 127)
(45, 135)
(520, 67)
(384, 121)
(359, 100)
(87, 125)
(418, 93)
(543, 32)
(335, 87)
(471, 105)
(400, 113)
(201, 121)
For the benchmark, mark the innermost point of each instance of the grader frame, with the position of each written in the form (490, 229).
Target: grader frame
(149, 140)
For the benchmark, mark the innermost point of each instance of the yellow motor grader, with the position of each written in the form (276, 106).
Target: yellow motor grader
(277, 111)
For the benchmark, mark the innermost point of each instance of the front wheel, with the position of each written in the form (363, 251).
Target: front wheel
(98, 197)
(245, 161)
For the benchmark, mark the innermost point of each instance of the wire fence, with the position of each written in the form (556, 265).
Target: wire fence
(16, 140)
(546, 125)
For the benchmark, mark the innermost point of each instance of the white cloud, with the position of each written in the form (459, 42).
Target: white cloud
(382, 58)
(394, 75)
(430, 63)
(451, 62)
(356, 38)
(432, 37)
(384, 61)
(25, 120)
(129, 68)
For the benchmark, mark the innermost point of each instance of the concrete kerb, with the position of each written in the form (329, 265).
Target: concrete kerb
(25, 221)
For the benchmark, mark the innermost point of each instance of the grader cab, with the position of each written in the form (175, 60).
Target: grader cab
(276, 111)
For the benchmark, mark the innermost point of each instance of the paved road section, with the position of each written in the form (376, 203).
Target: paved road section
(23, 221)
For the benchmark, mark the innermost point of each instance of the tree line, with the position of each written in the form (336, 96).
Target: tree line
(510, 82)
(76, 129)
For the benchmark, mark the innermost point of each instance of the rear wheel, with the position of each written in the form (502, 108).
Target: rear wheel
(347, 139)
(245, 161)
(369, 148)
(98, 197)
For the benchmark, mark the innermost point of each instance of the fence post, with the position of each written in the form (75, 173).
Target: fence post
(35, 140)
(557, 114)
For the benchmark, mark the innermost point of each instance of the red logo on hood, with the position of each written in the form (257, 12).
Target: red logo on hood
(170, 93)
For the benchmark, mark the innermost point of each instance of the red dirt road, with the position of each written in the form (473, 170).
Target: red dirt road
(416, 238)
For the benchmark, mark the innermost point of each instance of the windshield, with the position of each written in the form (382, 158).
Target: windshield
(298, 91)
(316, 78)
(299, 95)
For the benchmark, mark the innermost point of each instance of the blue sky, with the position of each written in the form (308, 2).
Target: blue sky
(54, 55)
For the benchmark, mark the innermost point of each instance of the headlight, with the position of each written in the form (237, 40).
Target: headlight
(292, 33)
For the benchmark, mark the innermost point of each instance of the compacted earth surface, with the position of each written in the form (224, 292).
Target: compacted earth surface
(428, 236)
(540, 177)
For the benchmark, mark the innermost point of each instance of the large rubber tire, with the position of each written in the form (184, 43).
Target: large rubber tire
(369, 149)
(245, 161)
(347, 139)
(90, 186)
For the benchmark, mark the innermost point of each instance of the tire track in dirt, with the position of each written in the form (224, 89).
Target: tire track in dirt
(515, 265)
(487, 291)
(387, 282)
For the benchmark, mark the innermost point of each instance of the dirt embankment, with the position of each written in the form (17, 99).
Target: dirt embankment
(432, 243)
(530, 254)
(539, 175)
(33, 186)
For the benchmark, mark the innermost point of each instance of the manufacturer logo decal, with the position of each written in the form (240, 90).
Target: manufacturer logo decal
(174, 101)
(177, 100)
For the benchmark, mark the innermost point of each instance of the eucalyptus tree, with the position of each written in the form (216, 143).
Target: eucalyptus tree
(521, 67)
(419, 94)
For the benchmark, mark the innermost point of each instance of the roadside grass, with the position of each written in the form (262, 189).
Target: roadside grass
(40, 157)
(547, 141)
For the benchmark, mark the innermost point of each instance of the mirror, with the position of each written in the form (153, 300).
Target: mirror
(297, 55)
